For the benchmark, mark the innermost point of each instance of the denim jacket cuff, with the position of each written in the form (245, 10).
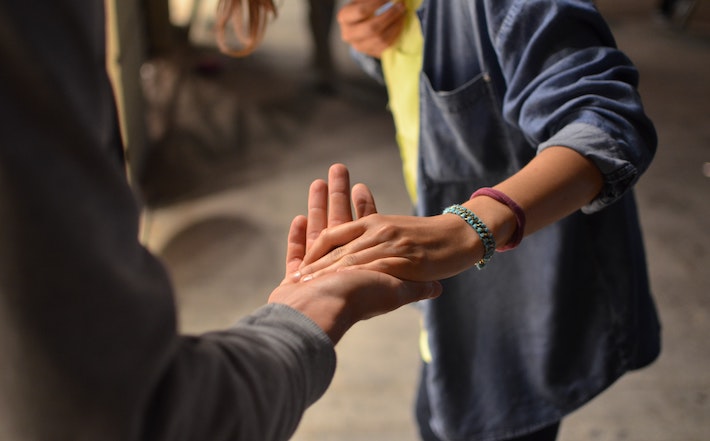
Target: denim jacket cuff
(593, 143)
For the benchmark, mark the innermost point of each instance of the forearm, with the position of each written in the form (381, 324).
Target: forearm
(551, 186)
(554, 184)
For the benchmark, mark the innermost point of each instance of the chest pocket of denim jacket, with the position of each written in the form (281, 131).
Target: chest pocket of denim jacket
(462, 136)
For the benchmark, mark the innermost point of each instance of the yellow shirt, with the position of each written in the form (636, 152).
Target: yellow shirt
(401, 65)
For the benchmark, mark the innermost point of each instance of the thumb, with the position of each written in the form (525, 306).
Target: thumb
(296, 244)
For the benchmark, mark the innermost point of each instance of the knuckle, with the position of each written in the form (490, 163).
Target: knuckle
(325, 234)
(387, 232)
(313, 235)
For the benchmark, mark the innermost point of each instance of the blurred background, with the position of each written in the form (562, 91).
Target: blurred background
(222, 151)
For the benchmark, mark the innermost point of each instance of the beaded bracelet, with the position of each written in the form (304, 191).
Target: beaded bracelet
(489, 243)
(503, 198)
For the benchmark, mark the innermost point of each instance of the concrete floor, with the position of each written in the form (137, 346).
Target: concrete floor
(241, 140)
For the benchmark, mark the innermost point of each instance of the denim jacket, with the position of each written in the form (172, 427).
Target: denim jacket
(545, 327)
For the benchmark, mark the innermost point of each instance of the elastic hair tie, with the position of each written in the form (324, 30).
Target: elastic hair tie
(489, 243)
(503, 198)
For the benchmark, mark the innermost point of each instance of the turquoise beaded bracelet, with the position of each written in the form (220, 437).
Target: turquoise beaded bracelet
(489, 243)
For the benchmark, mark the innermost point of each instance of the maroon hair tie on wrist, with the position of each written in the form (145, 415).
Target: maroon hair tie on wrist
(503, 198)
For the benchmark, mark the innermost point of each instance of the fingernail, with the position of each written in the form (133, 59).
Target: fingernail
(307, 278)
(296, 276)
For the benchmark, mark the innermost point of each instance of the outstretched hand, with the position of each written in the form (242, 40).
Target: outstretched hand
(338, 300)
(328, 206)
(408, 247)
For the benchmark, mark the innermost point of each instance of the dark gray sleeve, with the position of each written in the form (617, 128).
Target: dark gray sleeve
(260, 375)
(87, 318)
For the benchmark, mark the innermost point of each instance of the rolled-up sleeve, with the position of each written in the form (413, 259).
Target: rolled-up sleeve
(570, 86)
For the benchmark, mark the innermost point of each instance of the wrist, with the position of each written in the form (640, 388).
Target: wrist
(485, 236)
(499, 219)
(502, 199)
